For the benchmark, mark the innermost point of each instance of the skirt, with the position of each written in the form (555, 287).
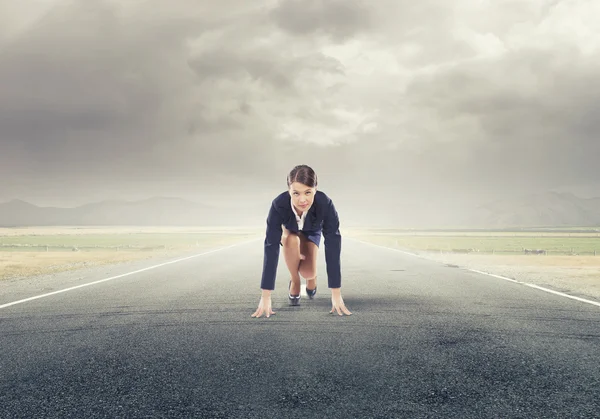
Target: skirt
(312, 236)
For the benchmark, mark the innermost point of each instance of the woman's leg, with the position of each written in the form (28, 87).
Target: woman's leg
(295, 245)
(291, 252)
(308, 266)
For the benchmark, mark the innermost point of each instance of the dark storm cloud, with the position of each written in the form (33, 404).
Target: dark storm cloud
(81, 78)
(89, 92)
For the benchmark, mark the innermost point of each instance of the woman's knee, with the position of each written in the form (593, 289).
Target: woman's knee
(290, 240)
(307, 271)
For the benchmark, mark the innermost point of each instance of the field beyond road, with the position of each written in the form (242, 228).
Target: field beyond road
(30, 251)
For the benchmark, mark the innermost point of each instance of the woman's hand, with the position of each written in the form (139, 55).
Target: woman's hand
(337, 303)
(264, 305)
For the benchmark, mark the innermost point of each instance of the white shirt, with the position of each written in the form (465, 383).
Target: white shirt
(299, 219)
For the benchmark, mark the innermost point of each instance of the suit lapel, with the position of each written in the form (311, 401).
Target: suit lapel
(289, 219)
(311, 216)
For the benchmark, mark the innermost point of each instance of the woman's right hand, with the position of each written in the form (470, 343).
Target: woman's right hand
(264, 305)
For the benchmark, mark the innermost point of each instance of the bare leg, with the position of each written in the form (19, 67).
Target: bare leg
(308, 266)
(291, 251)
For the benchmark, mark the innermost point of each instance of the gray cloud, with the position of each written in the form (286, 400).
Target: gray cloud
(527, 115)
(416, 102)
(338, 19)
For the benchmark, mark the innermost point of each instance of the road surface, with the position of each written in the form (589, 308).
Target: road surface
(425, 341)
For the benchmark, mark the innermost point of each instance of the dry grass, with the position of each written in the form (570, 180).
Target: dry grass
(23, 264)
(20, 264)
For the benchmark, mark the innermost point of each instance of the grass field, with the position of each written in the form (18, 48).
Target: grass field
(486, 242)
(32, 251)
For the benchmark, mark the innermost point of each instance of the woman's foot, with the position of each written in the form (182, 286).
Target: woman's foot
(294, 298)
(311, 287)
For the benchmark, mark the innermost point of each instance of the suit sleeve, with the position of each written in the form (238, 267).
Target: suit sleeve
(333, 246)
(271, 255)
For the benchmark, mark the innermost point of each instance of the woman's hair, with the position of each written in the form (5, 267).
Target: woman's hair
(302, 174)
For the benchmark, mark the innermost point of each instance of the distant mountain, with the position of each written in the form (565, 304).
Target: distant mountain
(538, 210)
(158, 211)
(548, 209)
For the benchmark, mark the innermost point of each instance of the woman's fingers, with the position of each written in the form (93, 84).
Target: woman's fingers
(265, 309)
(259, 311)
(340, 307)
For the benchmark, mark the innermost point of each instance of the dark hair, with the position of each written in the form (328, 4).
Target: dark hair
(302, 174)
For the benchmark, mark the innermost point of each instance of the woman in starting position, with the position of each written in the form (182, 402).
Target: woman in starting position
(295, 221)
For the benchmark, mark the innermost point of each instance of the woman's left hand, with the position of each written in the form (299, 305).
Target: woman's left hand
(337, 303)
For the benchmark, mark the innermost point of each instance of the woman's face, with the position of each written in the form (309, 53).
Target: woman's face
(302, 196)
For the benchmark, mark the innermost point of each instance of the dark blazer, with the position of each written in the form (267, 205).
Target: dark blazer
(322, 217)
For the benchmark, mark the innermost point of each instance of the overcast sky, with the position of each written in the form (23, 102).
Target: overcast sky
(416, 102)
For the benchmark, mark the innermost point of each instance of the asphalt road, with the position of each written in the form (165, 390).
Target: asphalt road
(425, 341)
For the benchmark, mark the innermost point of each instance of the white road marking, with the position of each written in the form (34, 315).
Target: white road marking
(562, 294)
(125, 274)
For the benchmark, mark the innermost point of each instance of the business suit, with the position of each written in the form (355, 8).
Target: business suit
(321, 219)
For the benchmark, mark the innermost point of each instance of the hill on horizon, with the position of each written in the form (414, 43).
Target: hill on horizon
(155, 211)
(548, 209)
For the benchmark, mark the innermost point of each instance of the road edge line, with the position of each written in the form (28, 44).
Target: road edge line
(35, 297)
(562, 294)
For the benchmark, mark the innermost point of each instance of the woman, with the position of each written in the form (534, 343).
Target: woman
(295, 221)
